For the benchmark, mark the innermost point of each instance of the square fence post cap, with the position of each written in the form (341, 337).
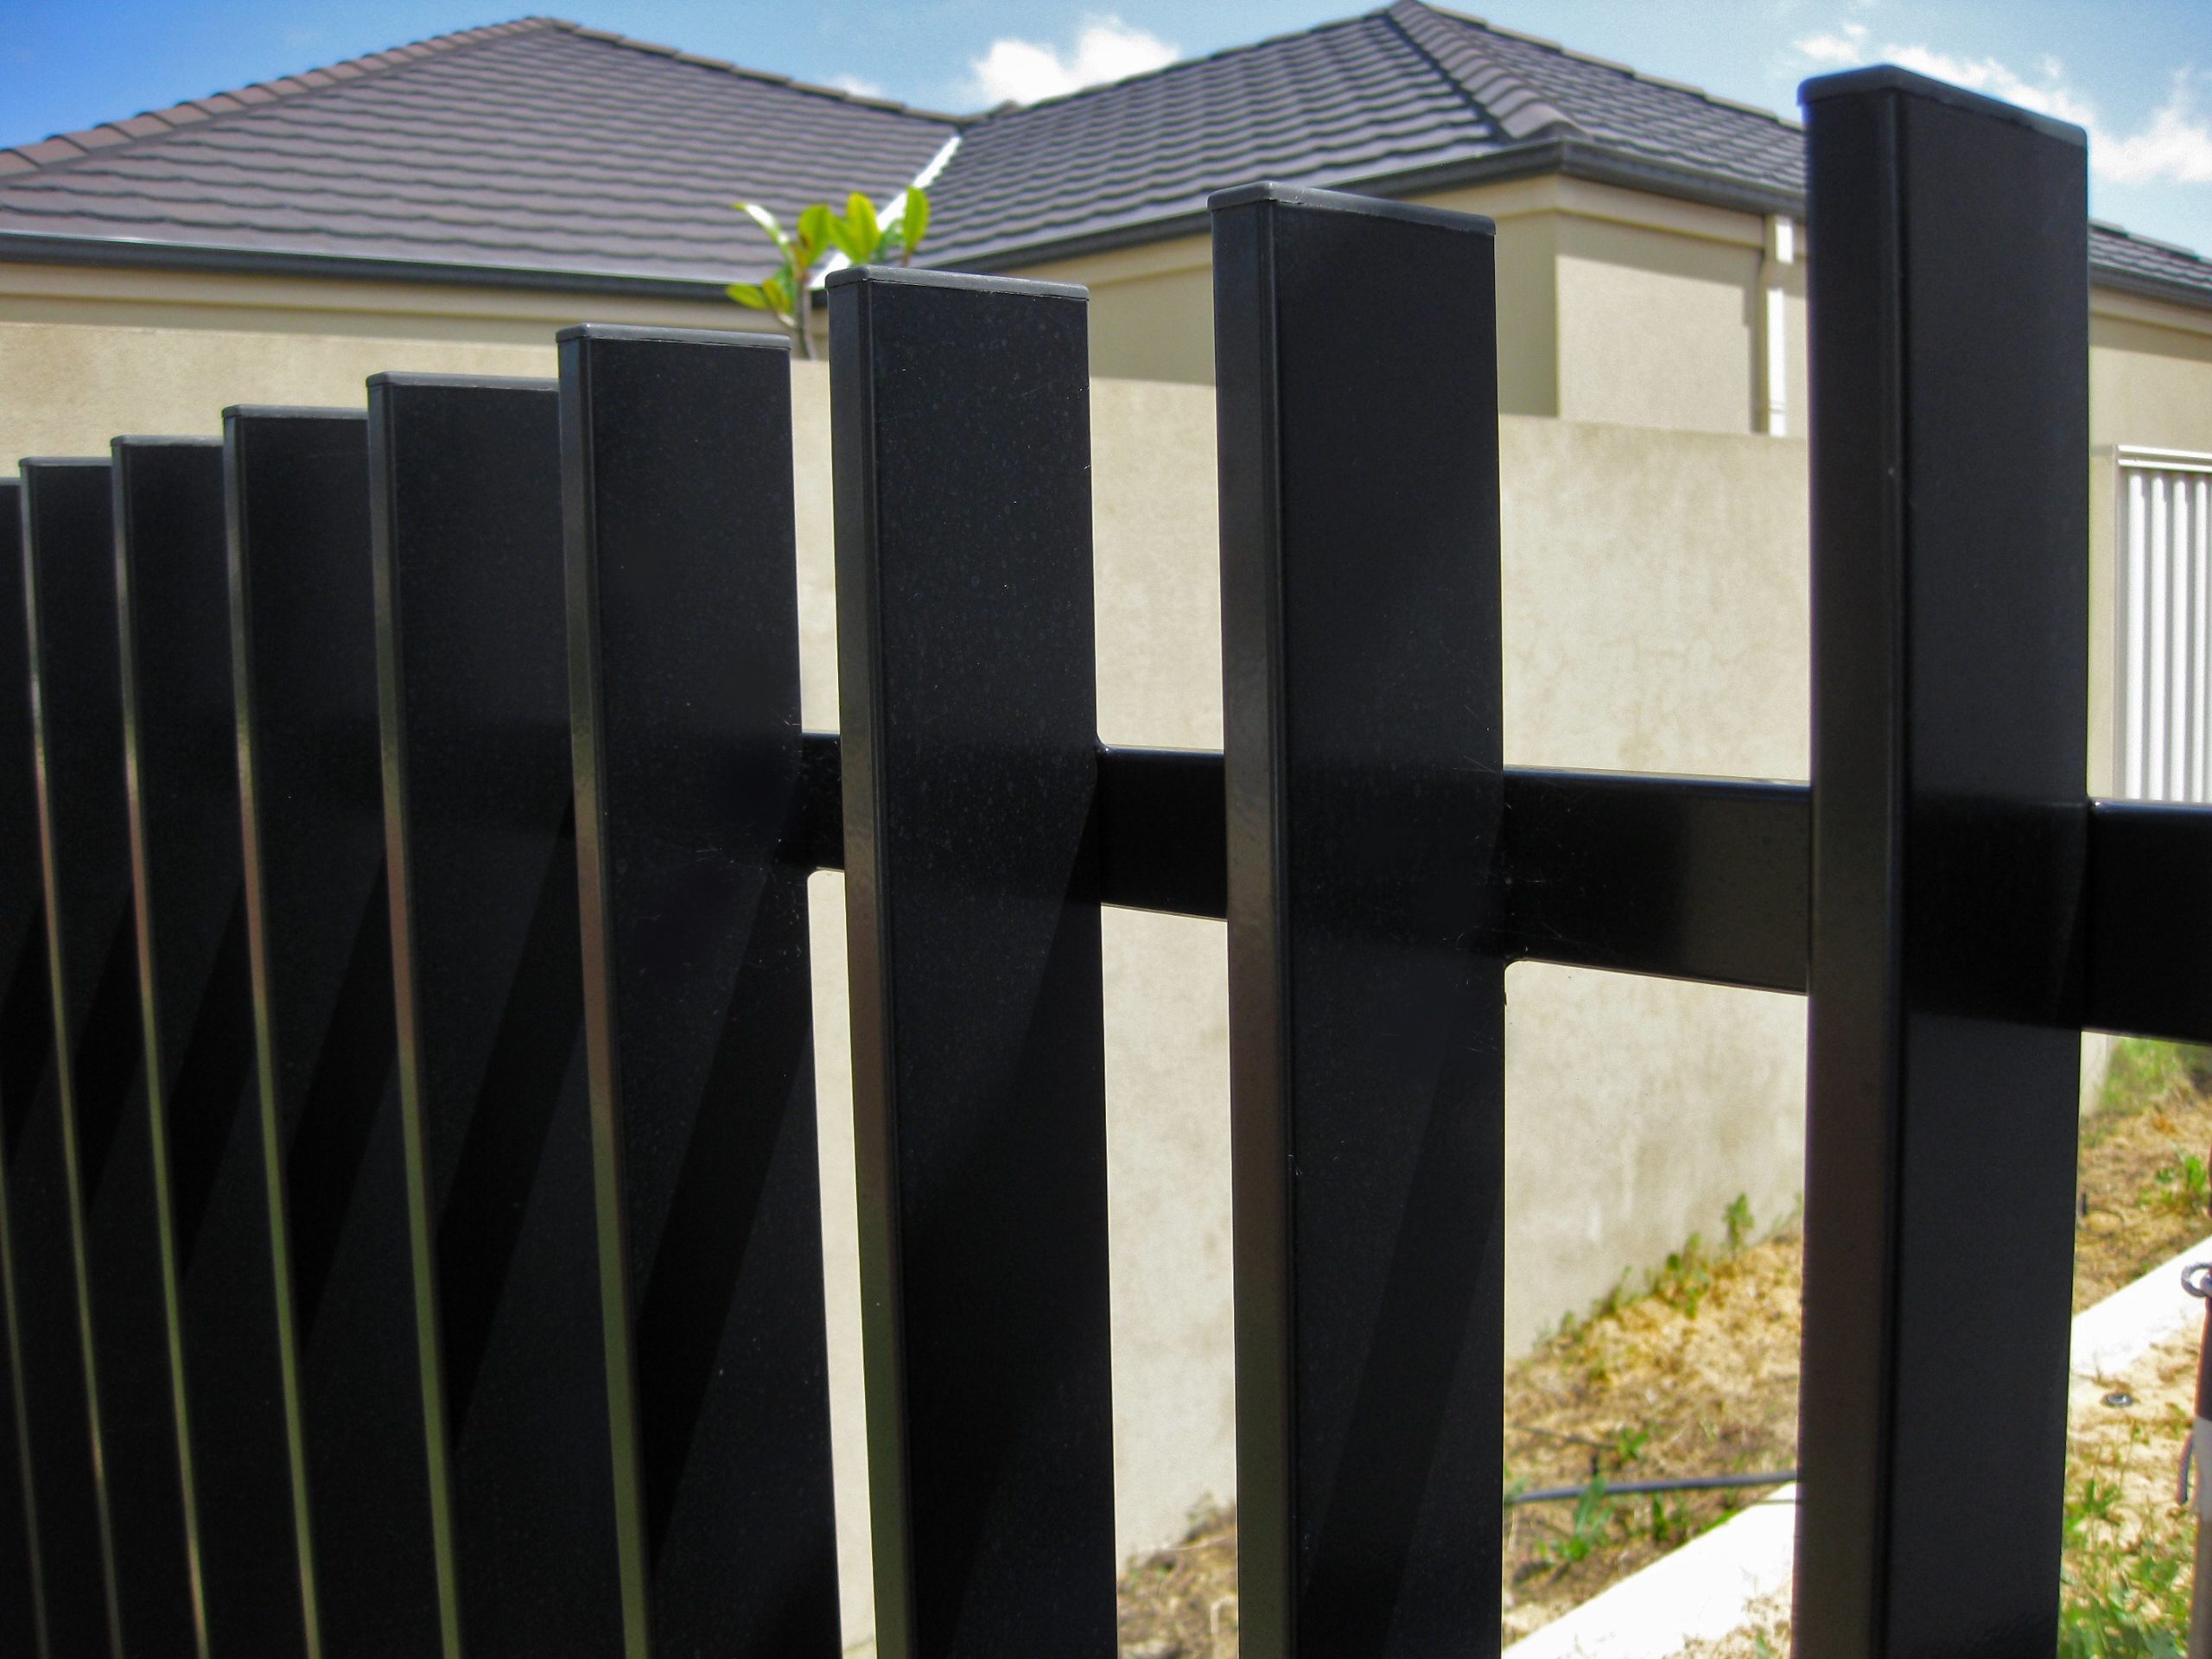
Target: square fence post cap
(916, 277)
(1887, 77)
(146, 441)
(753, 339)
(285, 412)
(1346, 201)
(401, 380)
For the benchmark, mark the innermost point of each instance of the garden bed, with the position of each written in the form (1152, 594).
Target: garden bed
(1695, 1372)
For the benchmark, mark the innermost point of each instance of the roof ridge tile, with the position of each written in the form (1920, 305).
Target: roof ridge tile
(1468, 20)
(1520, 111)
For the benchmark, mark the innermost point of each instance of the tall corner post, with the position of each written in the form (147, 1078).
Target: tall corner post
(683, 613)
(1950, 547)
(1356, 355)
(959, 422)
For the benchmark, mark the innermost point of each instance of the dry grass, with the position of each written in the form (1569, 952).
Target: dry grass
(1181, 1603)
(2128, 1543)
(2144, 1189)
(1695, 1372)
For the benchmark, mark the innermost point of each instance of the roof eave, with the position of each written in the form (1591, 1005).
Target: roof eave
(1576, 157)
(2142, 284)
(32, 247)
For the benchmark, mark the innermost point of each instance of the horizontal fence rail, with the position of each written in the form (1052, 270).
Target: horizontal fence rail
(410, 1229)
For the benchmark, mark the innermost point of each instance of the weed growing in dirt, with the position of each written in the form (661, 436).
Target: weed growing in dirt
(2124, 1596)
(1586, 1530)
(1738, 1219)
(2181, 1186)
(2143, 1076)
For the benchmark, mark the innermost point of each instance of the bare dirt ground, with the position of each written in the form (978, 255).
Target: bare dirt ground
(1695, 1372)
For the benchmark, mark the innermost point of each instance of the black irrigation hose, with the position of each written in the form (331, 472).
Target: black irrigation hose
(1682, 1484)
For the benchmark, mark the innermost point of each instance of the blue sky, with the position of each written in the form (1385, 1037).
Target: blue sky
(2137, 72)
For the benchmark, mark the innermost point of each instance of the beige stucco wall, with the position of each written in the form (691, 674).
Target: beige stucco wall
(2150, 373)
(1613, 306)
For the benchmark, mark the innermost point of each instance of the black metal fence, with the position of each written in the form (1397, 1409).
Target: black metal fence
(410, 1234)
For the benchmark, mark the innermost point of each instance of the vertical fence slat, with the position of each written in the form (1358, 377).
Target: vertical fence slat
(1950, 671)
(319, 925)
(472, 666)
(26, 1022)
(107, 1145)
(965, 648)
(1355, 344)
(196, 1002)
(683, 677)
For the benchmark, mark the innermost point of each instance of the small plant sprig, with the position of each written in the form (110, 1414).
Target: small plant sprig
(862, 235)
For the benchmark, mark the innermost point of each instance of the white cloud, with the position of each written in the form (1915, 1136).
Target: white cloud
(1846, 47)
(856, 86)
(2176, 147)
(1106, 49)
(2053, 97)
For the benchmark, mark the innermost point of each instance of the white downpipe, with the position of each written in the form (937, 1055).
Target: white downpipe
(1774, 344)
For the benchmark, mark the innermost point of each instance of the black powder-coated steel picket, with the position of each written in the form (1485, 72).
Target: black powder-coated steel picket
(1950, 572)
(196, 1003)
(472, 665)
(535, 1114)
(302, 651)
(24, 1049)
(683, 678)
(1356, 350)
(961, 453)
(106, 1140)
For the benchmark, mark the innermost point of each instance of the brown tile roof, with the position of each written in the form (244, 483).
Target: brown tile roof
(540, 151)
(536, 147)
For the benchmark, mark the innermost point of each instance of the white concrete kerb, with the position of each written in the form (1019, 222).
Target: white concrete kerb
(1706, 1588)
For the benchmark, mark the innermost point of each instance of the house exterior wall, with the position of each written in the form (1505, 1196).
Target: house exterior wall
(2150, 373)
(1613, 305)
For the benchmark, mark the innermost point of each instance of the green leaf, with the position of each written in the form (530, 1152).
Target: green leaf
(851, 246)
(860, 218)
(814, 230)
(914, 218)
(750, 294)
(766, 221)
(777, 288)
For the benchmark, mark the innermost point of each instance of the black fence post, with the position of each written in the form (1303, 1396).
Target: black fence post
(25, 1025)
(961, 439)
(480, 846)
(107, 1144)
(1355, 347)
(319, 925)
(683, 679)
(196, 1003)
(1950, 536)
